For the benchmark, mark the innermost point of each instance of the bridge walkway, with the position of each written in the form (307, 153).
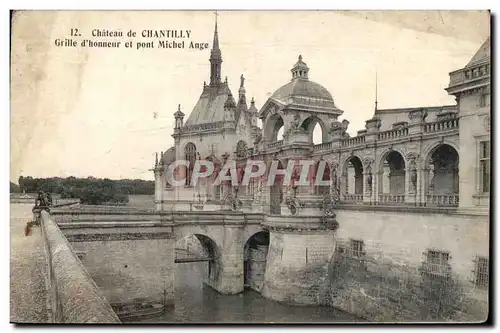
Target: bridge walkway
(28, 269)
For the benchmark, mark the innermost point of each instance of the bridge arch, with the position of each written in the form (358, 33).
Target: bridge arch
(255, 259)
(199, 247)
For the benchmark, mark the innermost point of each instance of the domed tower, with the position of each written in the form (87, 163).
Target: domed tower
(297, 107)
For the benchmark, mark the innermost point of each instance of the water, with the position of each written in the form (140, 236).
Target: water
(198, 303)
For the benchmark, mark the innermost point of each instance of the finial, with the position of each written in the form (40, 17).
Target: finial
(252, 101)
(300, 57)
(376, 90)
(225, 81)
(204, 84)
(179, 108)
(156, 159)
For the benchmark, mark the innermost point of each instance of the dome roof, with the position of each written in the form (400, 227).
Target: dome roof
(301, 91)
(302, 88)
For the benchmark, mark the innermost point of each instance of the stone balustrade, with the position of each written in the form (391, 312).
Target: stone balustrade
(275, 144)
(322, 146)
(74, 296)
(471, 74)
(441, 125)
(393, 134)
(353, 198)
(442, 200)
(353, 141)
(384, 198)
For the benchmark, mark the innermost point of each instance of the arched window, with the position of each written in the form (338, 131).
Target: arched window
(190, 156)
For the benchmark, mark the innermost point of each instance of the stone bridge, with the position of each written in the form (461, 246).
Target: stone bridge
(131, 254)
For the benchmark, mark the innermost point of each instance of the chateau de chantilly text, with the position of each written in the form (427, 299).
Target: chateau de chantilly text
(131, 39)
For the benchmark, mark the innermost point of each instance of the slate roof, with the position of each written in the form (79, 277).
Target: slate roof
(481, 55)
(210, 106)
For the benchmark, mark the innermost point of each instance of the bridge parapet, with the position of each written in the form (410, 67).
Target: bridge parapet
(302, 223)
(75, 298)
(87, 216)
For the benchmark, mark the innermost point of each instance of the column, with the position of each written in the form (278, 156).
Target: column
(422, 183)
(368, 188)
(410, 191)
(343, 186)
(386, 179)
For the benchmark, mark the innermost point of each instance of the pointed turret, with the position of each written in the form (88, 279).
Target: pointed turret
(229, 110)
(215, 59)
(230, 103)
(253, 112)
(252, 108)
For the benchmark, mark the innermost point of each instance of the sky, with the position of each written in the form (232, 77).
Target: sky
(105, 112)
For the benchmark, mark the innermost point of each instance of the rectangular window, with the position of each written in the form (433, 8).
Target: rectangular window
(437, 257)
(437, 263)
(484, 166)
(484, 100)
(482, 272)
(357, 248)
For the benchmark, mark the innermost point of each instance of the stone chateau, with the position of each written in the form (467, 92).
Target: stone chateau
(400, 233)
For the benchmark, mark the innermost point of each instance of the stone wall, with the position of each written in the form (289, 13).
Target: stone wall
(390, 282)
(75, 297)
(130, 265)
(296, 268)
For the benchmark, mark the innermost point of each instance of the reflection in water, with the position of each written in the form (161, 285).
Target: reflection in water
(197, 303)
